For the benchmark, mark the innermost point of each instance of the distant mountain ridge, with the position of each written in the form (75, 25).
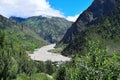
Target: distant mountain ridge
(18, 19)
(51, 29)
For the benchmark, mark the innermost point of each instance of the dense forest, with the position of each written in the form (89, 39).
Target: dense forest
(93, 43)
(15, 42)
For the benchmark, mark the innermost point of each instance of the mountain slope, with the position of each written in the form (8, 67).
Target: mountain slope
(94, 48)
(20, 34)
(97, 10)
(15, 42)
(105, 29)
(49, 28)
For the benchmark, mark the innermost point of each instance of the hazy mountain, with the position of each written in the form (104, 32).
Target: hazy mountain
(49, 28)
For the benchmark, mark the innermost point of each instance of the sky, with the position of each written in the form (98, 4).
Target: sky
(69, 9)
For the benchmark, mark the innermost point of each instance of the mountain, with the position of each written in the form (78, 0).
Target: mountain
(93, 42)
(94, 24)
(20, 34)
(15, 42)
(51, 29)
(17, 19)
(97, 10)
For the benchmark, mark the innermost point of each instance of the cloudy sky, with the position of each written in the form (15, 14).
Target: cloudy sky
(69, 9)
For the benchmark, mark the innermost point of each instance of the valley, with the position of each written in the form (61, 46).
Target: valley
(51, 29)
(43, 54)
(53, 48)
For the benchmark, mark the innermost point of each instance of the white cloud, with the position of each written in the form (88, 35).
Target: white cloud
(72, 18)
(27, 8)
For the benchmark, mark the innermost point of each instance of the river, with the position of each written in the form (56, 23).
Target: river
(43, 54)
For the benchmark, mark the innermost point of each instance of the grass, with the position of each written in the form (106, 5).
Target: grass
(40, 76)
(37, 76)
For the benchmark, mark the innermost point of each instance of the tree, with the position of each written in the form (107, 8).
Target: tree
(2, 37)
(95, 65)
(61, 73)
(49, 69)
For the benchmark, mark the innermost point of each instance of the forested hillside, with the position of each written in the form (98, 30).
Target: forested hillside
(20, 34)
(92, 43)
(51, 29)
(94, 46)
(15, 41)
(91, 16)
(105, 28)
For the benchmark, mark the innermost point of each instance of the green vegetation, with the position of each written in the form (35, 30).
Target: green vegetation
(39, 76)
(95, 65)
(15, 64)
(15, 40)
(51, 29)
(20, 35)
(95, 49)
(106, 29)
(92, 16)
(93, 44)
